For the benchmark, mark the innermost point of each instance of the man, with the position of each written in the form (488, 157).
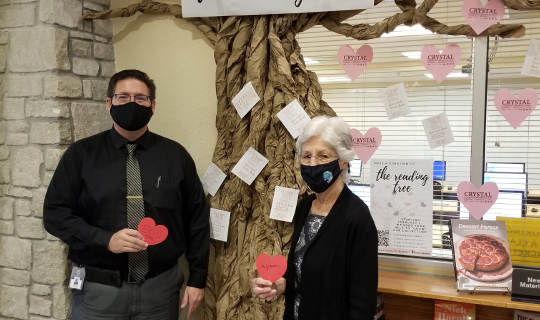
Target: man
(103, 187)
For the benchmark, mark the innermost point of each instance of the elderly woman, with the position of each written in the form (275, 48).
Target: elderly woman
(332, 264)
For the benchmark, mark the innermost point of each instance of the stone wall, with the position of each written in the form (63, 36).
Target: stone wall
(54, 71)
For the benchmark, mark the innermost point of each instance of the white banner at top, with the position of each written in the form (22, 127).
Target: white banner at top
(213, 8)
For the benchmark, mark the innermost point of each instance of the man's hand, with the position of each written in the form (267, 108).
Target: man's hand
(193, 297)
(127, 240)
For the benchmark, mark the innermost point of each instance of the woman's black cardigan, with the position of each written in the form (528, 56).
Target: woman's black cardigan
(340, 268)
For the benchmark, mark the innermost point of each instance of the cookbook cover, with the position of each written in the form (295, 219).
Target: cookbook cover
(481, 255)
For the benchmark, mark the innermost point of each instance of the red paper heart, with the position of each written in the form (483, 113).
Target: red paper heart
(152, 234)
(271, 268)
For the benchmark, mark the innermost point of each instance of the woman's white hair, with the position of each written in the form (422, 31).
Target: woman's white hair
(334, 131)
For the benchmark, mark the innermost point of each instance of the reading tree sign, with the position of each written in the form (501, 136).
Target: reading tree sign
(213, 8)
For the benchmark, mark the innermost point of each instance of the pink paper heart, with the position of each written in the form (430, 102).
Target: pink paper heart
(271, 268)
(440, 64)
(365, 145)
(354, 63)
(481, 17)
(407, 204)
(152, 234)
(516, 109)
(477, 201)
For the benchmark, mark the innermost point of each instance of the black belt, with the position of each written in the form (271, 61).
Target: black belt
(110, 277)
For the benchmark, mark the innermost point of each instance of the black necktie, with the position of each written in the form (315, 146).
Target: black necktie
(138, 261)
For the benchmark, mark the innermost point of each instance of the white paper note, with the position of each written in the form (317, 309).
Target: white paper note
(212, 179)
(245, 99)
(438, 130)
(395, 101)
(284, 204)
(219, 224)
(531, 66)
(249, 166)
(294, 118)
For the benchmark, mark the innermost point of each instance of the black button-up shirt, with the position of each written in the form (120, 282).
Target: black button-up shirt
(86, 202)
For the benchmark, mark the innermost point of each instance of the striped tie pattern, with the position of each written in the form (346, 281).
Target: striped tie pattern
(137, 261)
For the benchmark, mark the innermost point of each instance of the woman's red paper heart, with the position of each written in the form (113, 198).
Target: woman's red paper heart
(152, 234)
(271, 268)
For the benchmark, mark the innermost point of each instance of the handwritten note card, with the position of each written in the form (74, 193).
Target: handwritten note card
(531, 66)
(395, 101)
(438, 130)
(249, 166)
(294, 118)
(284, 204)
(219, 224)
(245, 99)
(212, 179)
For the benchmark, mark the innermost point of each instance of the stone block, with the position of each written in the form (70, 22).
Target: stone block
(89, 119)
(14, 16)
(108, 69)
(38, 197)
(4, 152)
(47, 109)
(47, 177)
(103, 28)
(23, 86)
(92, 6)
(62, 12)
(38, 49)
(87, 88)
(50, 133)
(81, 48)
(18, 126)
(52, 157)
(17, 139)
(4, 36)
(103, 51)
(26, 167)
(3, 131)
(40, 306)
(5, 176)
(101, 39)
(30, 228)
(63, 87)
(13, 108)
(13, 277)
(81, 35)
(106, 3)
(85, 67)
(6, 208)
(61, 302)
(50, 263)
(99, 89)
(22, 208)
(7, 227)
(51, 237)
(18, 192)
(40, 289)
(13, 302)
(22, 1)
(15, 253)
(3, 57)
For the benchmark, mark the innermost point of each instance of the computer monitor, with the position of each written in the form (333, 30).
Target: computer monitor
(439, 170)
(356, 168)
(508, 204)
(507, 180)
(505, 167)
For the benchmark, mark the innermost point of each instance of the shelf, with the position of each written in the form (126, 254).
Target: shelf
(444, 288)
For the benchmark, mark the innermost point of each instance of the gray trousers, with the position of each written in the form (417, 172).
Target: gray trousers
(157, 298)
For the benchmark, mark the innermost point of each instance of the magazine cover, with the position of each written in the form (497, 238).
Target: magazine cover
(481, 255)
(445, 310)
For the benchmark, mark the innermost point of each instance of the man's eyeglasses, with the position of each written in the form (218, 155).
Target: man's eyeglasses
(138, 98)
(321, 158)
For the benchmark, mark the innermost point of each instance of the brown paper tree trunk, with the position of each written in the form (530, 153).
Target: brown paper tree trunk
(263, 50)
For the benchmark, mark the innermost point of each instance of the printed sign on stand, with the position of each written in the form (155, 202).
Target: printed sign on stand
(402, 205)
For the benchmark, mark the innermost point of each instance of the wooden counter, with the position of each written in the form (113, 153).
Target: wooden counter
(410, 296)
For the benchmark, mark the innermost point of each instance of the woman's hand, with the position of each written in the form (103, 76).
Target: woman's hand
(267, 290)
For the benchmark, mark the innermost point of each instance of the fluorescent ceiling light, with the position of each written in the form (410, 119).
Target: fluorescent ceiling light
(310, 61)
(401, 31)
(333, 79)
(412, 54)
(451, 75)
